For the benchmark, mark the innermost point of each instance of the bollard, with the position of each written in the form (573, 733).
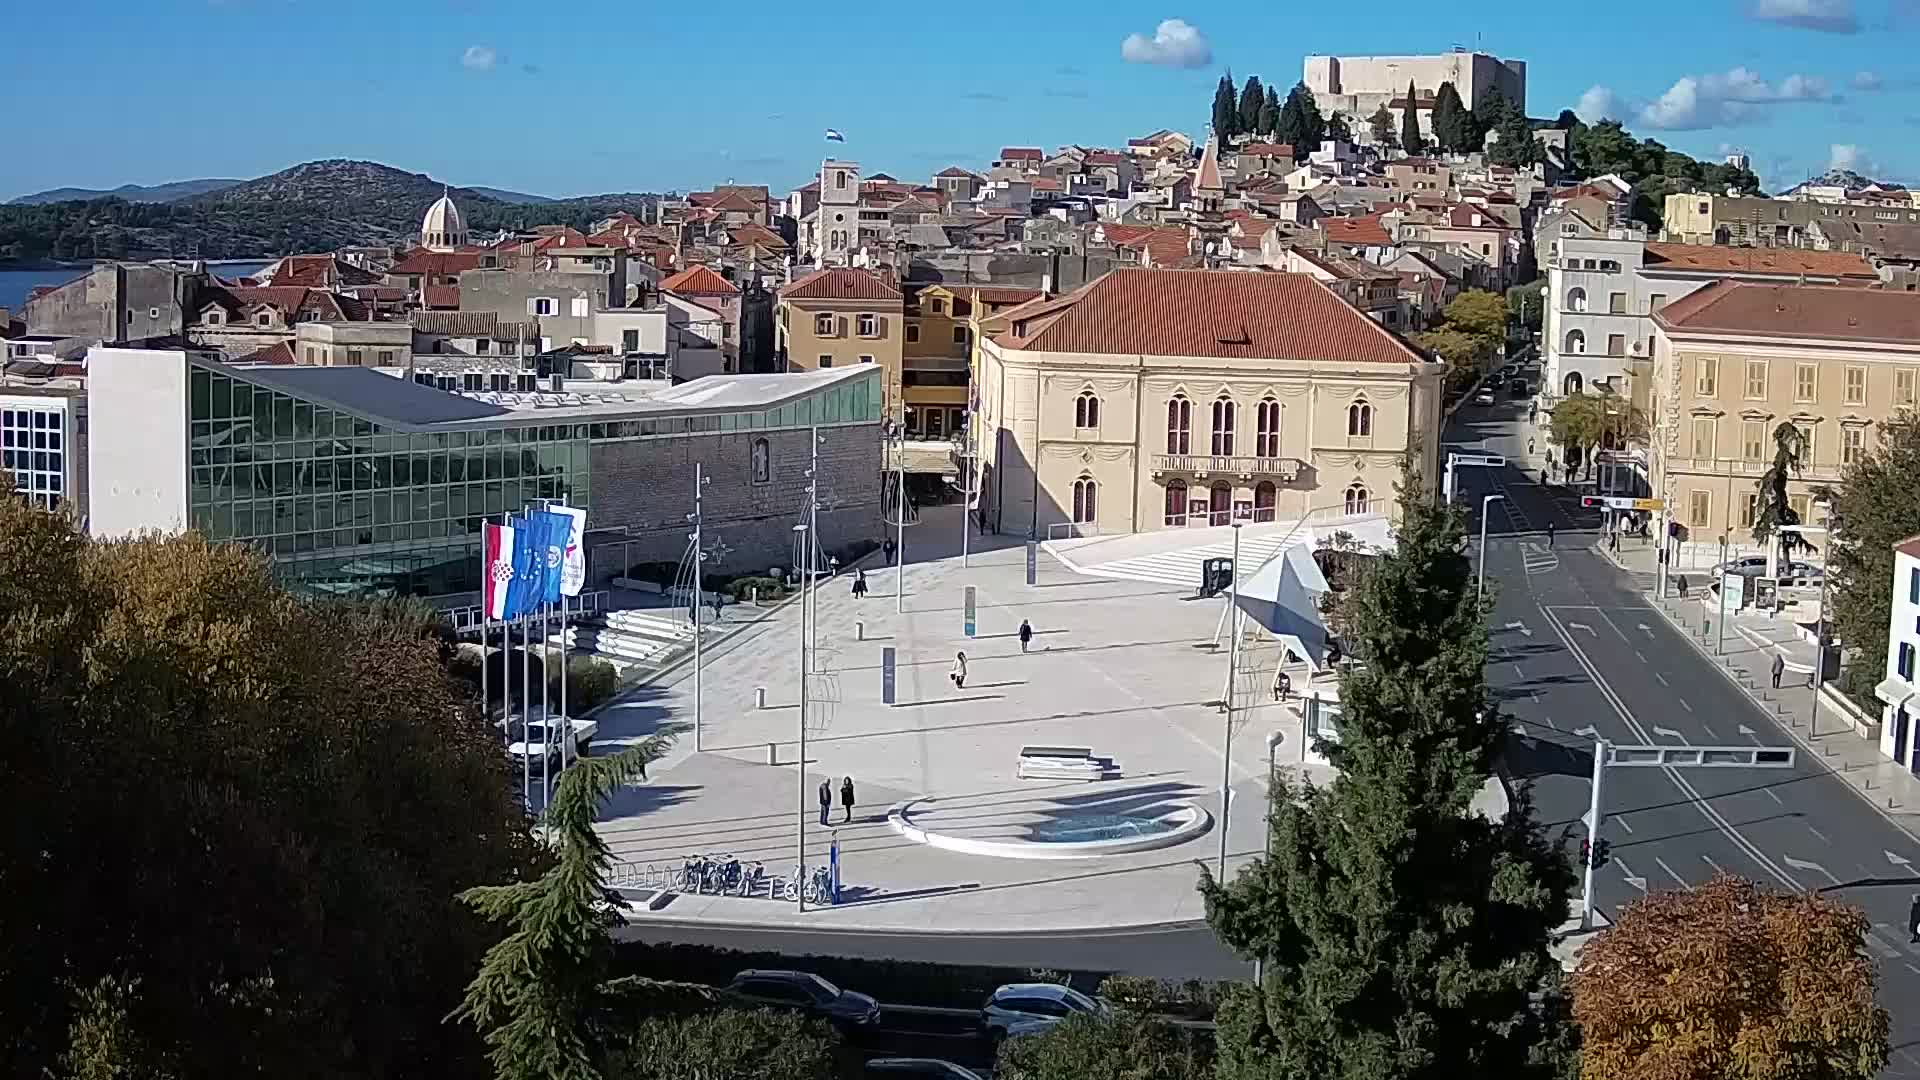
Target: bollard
(759, 697)
(754, 592)
(773, 753)
(859, 630)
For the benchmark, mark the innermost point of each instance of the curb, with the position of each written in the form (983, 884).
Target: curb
(1793, 732)
(637, 921)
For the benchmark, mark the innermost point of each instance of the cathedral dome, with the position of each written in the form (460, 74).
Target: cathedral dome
(443, 229)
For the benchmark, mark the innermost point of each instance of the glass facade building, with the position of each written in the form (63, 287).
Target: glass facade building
(33, 447)
(353, 503)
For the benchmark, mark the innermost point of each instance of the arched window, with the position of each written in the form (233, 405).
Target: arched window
(762, 460)
(1264, 496)
(1084, 495)
(1357, 498)
(1223, 417)
(1576, 299)
(1086, 410)
(1576, 342)
(1360, 418)
(1179, 425)
(1571, 385)
(1266, 422)
(1176, 502)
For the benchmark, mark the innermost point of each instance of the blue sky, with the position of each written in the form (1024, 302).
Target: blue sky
(583, 96)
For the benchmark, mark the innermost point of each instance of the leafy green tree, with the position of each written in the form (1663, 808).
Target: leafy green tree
(1226, 110)
(1526, 304)
(1878, 504)
(1252, 99)
(542, 1000)
(1450, 120)
(1410, 138)
(1516, 146)
(1270, 113)
(727, 1044)
(1566, 121)
(1581, 422)
(1491, 113)
(1482, 314)
(1338, 129)
(1729, 981)
(1381, 126)
(1460, 351)
(295, 792)
(1403, 934)
(1773, 508)
(1125, 1044)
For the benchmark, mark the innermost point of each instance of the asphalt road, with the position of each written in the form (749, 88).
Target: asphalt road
(1578, 652)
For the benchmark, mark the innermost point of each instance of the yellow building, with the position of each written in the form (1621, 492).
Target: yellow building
(839, 317)
(1153, 399)
(1736, 359)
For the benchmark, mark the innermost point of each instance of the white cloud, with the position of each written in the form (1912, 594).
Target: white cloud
(1849, 156)
(1175, 43)
(1868, 81)
(479, 58)
(1695, 102)
(1597, 104)
(1827, 16)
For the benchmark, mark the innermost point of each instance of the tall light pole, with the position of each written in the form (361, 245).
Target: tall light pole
(900, 522)
(1593, 833)
(1233, 668)
(1266, 844)
(1480, 576)
(699, 482)
(966, 485)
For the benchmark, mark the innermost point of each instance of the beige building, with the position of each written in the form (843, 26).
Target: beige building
(1736, 359)
(1154, 399)
(840, 317)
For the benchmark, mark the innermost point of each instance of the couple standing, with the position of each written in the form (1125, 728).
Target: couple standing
(846, 799)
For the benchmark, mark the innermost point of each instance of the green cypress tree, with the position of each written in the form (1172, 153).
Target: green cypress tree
(1381, 126)
(1252, 97)
(1226, 111)
(1403, 935)
(1449, 117)
(1338, 129)
(1270, 113)
(1313, 126)
(541, 998)
(1410, 138)
(1516, 145)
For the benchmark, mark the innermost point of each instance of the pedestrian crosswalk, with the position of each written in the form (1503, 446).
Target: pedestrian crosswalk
(1538, 558)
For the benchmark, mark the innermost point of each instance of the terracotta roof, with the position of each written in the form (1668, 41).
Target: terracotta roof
(699, 281)
(1909, 547)
(1106, 157)
(473, 324)
(750, 233)
(422, 261)
(1744, 260)
(1207, 313)
(1268, 149)
(1826, 312)
(1207, 176)
(1889, 240)
(1021, 153)
(441, 297)
(1045, 183)
(957, 171)
(734, 201)
(840, 283)
(280, 352)
(1003, 294)
(1365, 230)
(1126, 235)
(1167, 246)
(320, 272)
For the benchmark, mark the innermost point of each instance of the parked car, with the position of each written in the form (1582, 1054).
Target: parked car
(1754, 566)
(1484, 397)
(1519, 388)
(1023, 1008)
(888, 1068)
(806, 992)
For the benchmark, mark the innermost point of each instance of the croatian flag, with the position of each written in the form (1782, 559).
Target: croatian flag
(835, 136)
(573, 566)
(496, 564)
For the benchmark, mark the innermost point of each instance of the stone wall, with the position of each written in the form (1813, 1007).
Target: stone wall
(645, 487)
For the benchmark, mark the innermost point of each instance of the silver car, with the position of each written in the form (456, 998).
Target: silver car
(1023, 1008)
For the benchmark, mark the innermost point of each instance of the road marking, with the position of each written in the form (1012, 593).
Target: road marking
(1679, 779)
(1642, 657)
(1916, 971)
(1668, 733)
(1886, 951)
(1536, 700)
(1588, 731)
(1748, 732)
(1582, 626)
(1627, 872)
(1645, 629)
(1622, 822)
(1520, 626)
(1802, 864)
(1662, 678)
(1709, 731)
(1822, 837)
(1897, 860)
(1772, 795)
(1717, 868)
(1684, 705)
(1670, 873)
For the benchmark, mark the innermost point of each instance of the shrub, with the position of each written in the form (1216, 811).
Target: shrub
(590, 681)
(743, 588)
(900, 982)
(728, 1043)
(1193, 999)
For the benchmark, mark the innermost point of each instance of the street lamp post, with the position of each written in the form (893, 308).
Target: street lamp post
(1266, 844)
(1233, 668)
(900, 523)
(805, 535)
(1720, 642)
(1480, 578)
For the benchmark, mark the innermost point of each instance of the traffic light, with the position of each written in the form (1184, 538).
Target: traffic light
(1600, 854)
(1586, 853)
(1591, 501)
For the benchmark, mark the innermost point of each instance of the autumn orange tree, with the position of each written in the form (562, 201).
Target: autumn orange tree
(1730, 981)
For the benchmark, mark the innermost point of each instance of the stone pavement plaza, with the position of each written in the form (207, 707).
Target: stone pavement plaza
(1125, 667)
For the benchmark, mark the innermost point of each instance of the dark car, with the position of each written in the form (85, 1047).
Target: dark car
(902, 1068)
(1519, 388)
(806, 992)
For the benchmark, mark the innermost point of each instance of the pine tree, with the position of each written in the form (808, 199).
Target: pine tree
(1381, 126)
(1337, 128)
(1410, 139)
(1403, 935)
(1313, 126)
(1488, 116)
(1226, 113)
(540, 997)
(1516, 145)
(1252, 97)
(1270, 113)
(1449, 117)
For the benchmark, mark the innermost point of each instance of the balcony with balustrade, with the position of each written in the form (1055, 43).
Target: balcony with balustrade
(1209, 466)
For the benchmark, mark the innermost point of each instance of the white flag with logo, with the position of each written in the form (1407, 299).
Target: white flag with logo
(573, 564)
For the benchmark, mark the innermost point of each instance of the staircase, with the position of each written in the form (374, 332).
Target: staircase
(627, 638)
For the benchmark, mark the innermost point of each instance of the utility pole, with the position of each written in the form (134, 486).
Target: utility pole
(1593, 833)
(900, 522)
(699, 554)
(1233, 667)
(800, 827)
(966, 485)
(813, 542)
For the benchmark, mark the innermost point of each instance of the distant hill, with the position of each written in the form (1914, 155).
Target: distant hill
(518, 197)
(158, 193)
(1845, 178)
(314, 206)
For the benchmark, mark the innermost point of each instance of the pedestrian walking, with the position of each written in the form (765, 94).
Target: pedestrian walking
(1613, 540)
(826, 799)
(716, 607)
(1680, 582)
(1549, 534)
(959, 672)
(1543, 478)
(1779, 666)
(1026, 634)
(833, 566)
(1282, 685)
(1913, 921)
(846, 799)
(1529, 447)
(888, 547)
(859, 584)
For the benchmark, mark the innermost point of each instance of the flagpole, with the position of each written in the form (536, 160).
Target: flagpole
(486, 575)
(546, 713)
(698, 556)
(526, 746)
(565, 656)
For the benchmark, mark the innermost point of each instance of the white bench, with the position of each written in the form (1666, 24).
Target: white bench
(1065, 763)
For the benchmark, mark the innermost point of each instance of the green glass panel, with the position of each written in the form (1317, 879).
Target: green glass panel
(283, 428)
(199, 381)
(221, 389)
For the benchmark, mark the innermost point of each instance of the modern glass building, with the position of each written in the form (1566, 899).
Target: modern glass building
(357, 481)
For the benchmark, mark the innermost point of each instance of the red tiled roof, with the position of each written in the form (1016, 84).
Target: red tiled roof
(280, 352)
(1021, 153)
(1126, 235)
(1045, 183)
(1167, 246)
(734, 201)
(750, 233)
(1365, 230)
(422, 261)
(1003, 294)
(441, 297)
(840, 283)
(1826, 312)
(1268, 149)
(320, 272)
(699, 281)
(1790, 262)
(1207, 313)
(1909, 547)
(956, 171)
(1106, 157)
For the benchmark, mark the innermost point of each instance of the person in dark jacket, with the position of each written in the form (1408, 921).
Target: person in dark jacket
(846, 798)
(826, 800)
(1026, 634)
